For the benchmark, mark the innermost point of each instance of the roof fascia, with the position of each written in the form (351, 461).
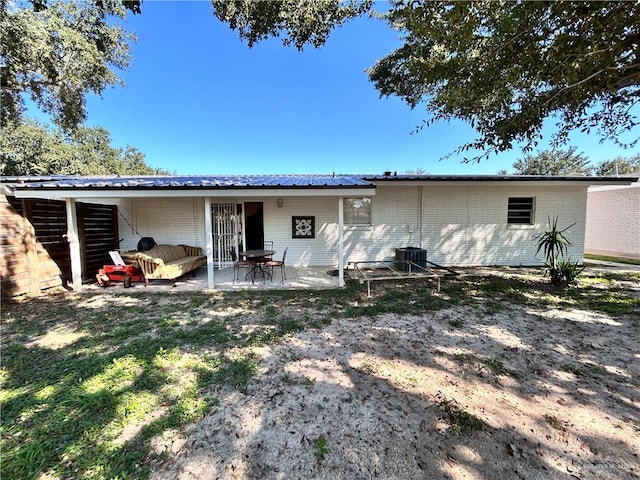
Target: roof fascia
(599, 188)
(503, 183)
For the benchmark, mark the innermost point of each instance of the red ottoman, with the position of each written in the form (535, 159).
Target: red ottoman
(116, 273)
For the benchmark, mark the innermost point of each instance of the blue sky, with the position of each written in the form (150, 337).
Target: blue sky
(197, 100)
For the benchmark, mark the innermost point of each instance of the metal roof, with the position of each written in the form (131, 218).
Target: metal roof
(231, 182)
(190, 182)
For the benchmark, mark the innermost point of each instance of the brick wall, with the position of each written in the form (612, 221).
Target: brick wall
(458, 225)
(613, 221)
(167, 220)
(466, 225)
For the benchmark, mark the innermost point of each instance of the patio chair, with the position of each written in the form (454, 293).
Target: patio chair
(271, 264)
(240, 264)
(267, 245)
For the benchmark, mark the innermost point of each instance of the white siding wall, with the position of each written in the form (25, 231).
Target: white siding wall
(465, 225)
(167, 220)
(461, 225)
(475, 231)
(392, 211)
(613, 221)
(321, 250)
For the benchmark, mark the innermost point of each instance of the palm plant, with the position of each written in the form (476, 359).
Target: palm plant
(569, 272)
(554, 243)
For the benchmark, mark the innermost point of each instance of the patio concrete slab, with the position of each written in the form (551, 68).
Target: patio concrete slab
(298, 278)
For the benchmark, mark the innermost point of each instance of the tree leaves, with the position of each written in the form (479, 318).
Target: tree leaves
(619, 166)
(299, 21)
(553, 162)
(33, 149)
(57, 51)
(504, 67)
(567, 162)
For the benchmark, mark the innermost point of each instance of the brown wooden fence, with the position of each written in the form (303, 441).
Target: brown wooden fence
(98, 230)
(35, 252)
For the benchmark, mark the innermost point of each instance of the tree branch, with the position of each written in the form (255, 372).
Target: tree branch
(621, 83)
(584, 80)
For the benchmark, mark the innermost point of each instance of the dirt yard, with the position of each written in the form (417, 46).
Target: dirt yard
(484, 390)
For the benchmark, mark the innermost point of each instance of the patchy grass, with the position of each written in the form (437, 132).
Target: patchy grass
(613, 278)
(584, 369)
(237, 371)
(498, 292)
(403, 298)
(86, 384)
(457, 322)
(605, 258)
(495, 366)
(554, 422)
(320, 449)
(478, 364)
(460, 420)
(89, 380)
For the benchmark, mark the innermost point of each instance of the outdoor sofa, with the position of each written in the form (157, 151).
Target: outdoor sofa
(169, 261)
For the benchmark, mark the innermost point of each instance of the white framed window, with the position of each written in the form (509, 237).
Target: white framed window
(520, 210)
(357, 210)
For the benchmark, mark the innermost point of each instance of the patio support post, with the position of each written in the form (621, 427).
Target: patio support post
(421, 215)
(341, 241)
(208, 240)
(74, 245)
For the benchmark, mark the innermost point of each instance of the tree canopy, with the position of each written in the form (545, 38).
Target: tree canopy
(504, 67)
(55, 52)
(568, 162)
(619, 166)
(33, 149)
(553, 162)
(301, 22)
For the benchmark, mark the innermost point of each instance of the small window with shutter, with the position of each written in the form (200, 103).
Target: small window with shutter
(520, 211)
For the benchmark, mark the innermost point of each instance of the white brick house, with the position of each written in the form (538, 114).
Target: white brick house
(460, 220)
(613, 221)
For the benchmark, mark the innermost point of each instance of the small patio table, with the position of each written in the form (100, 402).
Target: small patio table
(257, 256)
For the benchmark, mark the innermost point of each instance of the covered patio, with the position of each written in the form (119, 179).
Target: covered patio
(218, 214)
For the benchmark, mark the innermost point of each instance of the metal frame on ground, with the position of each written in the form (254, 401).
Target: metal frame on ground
(372, 270)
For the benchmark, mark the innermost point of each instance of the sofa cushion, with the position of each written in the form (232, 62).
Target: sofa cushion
(168, 253)
(179, 267)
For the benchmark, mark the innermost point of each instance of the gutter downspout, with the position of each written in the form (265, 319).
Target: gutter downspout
(420, 215)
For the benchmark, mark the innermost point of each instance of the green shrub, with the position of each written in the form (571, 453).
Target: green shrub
(568, 272)
(555, 243)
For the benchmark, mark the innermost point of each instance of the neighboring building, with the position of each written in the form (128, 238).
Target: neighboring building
(613, 221)
(330, 220)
